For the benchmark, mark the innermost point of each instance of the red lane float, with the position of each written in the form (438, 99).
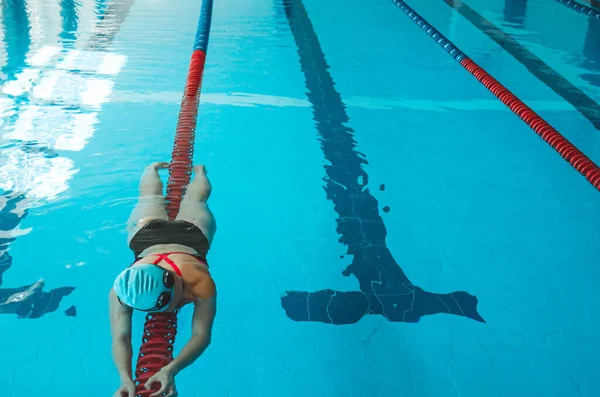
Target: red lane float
(160, 329)
(183, 151)
(554, 138)
(157, 349)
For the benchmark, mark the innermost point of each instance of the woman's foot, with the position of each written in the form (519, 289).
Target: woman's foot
(200, 187)
(159, 165)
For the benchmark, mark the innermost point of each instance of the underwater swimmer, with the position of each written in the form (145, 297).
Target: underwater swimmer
(169, 271)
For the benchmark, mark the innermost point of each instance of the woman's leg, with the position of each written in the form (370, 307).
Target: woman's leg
(151, 202)
(193, 207)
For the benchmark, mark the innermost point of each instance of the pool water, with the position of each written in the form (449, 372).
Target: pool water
(386, 226)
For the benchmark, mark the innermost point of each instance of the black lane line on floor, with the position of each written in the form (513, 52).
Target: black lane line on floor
(384, 288)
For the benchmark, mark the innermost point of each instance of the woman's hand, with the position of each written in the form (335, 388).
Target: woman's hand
(167, 383)
(127, 389)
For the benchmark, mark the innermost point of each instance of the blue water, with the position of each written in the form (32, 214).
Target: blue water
(387, 227)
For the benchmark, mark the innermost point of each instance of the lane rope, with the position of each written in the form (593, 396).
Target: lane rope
(566, 149)
(160, 329)
(587, 106)
(581, 8)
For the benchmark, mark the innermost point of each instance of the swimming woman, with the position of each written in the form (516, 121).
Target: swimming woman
(169, 271)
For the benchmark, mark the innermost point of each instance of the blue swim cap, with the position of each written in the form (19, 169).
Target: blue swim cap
(140, 286)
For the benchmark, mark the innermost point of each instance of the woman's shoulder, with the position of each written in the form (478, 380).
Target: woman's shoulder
(199, 281)
(204, 288)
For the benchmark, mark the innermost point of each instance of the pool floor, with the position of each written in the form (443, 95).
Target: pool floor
(386, 226)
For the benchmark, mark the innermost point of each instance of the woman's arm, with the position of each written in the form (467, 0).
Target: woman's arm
(120, 329)
(202, 322)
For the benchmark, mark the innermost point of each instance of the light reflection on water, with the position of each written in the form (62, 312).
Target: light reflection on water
(52, 99)
(57, 71)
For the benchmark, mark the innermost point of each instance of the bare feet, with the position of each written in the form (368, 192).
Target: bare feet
(200, 169)
(200, 185)
(159, 165)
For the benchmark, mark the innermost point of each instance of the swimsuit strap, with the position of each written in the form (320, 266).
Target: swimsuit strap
(165, 257)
